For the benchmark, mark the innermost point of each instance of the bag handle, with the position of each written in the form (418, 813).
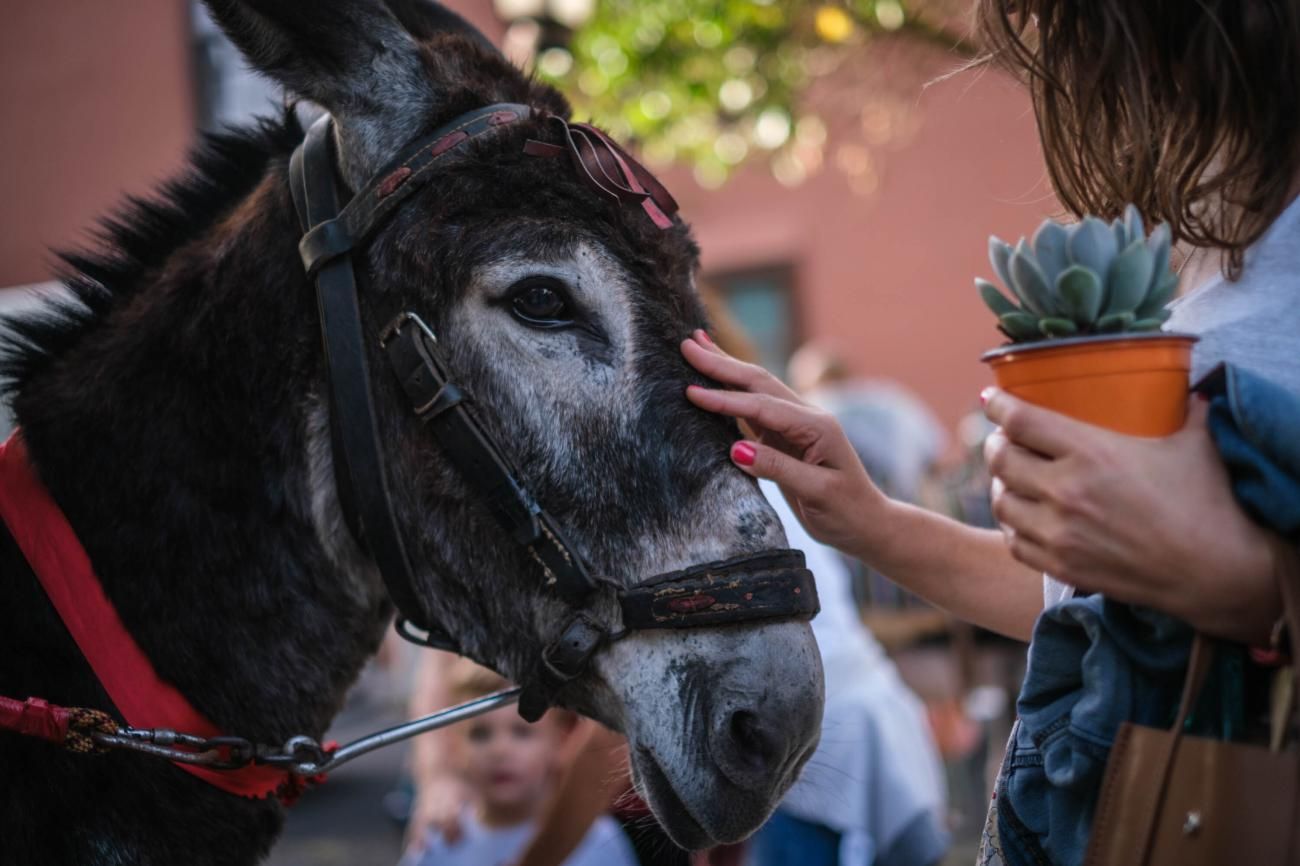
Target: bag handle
(1286, 555)
(1286, 558)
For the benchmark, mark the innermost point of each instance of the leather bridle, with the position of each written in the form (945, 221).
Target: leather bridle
(771, 584)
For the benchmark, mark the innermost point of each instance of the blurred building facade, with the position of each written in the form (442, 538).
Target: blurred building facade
(872, 251)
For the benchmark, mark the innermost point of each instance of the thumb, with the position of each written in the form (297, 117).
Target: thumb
(795, 477)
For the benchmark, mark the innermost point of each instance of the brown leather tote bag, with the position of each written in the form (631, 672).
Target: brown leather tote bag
(1169, 799)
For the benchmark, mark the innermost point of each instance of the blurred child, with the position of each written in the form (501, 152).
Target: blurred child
(509, 769)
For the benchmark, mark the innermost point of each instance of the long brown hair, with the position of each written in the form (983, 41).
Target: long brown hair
(1190, 109)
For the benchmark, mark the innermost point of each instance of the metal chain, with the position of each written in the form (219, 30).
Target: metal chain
(300, 755)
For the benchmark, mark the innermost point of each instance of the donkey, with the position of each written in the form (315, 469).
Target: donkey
(174, 408)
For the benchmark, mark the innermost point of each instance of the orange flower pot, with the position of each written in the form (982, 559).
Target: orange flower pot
(1129, 383)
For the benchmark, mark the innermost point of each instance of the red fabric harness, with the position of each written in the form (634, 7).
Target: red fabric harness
(64, 571)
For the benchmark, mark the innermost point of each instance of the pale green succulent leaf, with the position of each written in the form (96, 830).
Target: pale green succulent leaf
(1056, 327)
(1050, 249)
(1152, 324)
(1093, 245)
(1029, 283)
(1019, 326)
(1129, 278)
(1000, 258)
(1159, 297)
(1160, 245)
(994, 299)
(1133, 223)
(1080, 290)
(1114, 322)
(1121, 234)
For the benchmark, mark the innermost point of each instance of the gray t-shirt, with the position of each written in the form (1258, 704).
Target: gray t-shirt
(604, 845)
(1253, 323)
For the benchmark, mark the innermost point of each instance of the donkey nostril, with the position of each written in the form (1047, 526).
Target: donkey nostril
(752, 742)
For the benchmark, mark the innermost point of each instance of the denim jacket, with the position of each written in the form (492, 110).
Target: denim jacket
(1095, 663)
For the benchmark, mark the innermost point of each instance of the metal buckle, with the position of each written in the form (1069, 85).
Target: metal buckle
(567, 657)
(392, 328)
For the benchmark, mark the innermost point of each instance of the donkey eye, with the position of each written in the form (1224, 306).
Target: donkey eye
(541, 303)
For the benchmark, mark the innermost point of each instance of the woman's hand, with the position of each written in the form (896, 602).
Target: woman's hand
(803, 449)
(1145, 521)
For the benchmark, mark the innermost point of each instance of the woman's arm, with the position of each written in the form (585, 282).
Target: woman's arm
(968, 572)
(1146, 521)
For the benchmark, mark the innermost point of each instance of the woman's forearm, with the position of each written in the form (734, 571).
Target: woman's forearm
(966, 571)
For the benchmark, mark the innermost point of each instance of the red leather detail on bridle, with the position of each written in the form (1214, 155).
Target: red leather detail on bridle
(691, 603)
(34, 717)
(447, 142)
(609, 170)
(395, 179)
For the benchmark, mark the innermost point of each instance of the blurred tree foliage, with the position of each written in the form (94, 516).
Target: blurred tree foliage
(711, 83)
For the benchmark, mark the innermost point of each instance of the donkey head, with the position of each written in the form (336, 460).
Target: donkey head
(560, 312)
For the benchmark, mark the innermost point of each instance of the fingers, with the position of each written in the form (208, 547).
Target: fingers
(796, 478)
(1021, 517)
(814, 435)
(1021, 471)
(718, 365)
(1034, 555)
(1049, 433)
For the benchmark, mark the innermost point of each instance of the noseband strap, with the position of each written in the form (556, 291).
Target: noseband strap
(772, 584)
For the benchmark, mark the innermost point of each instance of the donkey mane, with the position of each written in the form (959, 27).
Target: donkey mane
(221, 170)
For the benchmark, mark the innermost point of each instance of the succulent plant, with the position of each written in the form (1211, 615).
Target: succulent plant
(1087, 278)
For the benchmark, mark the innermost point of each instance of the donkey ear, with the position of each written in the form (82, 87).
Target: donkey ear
(353, 57)
(424, 19)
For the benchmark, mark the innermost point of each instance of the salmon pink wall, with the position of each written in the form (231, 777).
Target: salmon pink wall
(886, 277)
(95, 100)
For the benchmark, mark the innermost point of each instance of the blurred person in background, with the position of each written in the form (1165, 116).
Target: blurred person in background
(894, 433)
(873, 794)
(508, 769)
(591, 780)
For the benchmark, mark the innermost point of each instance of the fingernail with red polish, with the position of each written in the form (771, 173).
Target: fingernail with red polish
(703, 336)
(986, 395)
(743, 453)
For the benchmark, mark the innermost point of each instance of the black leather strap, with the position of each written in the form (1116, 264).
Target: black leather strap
(413, 354)
(371, 207)
(356, 450)
(773, 584)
